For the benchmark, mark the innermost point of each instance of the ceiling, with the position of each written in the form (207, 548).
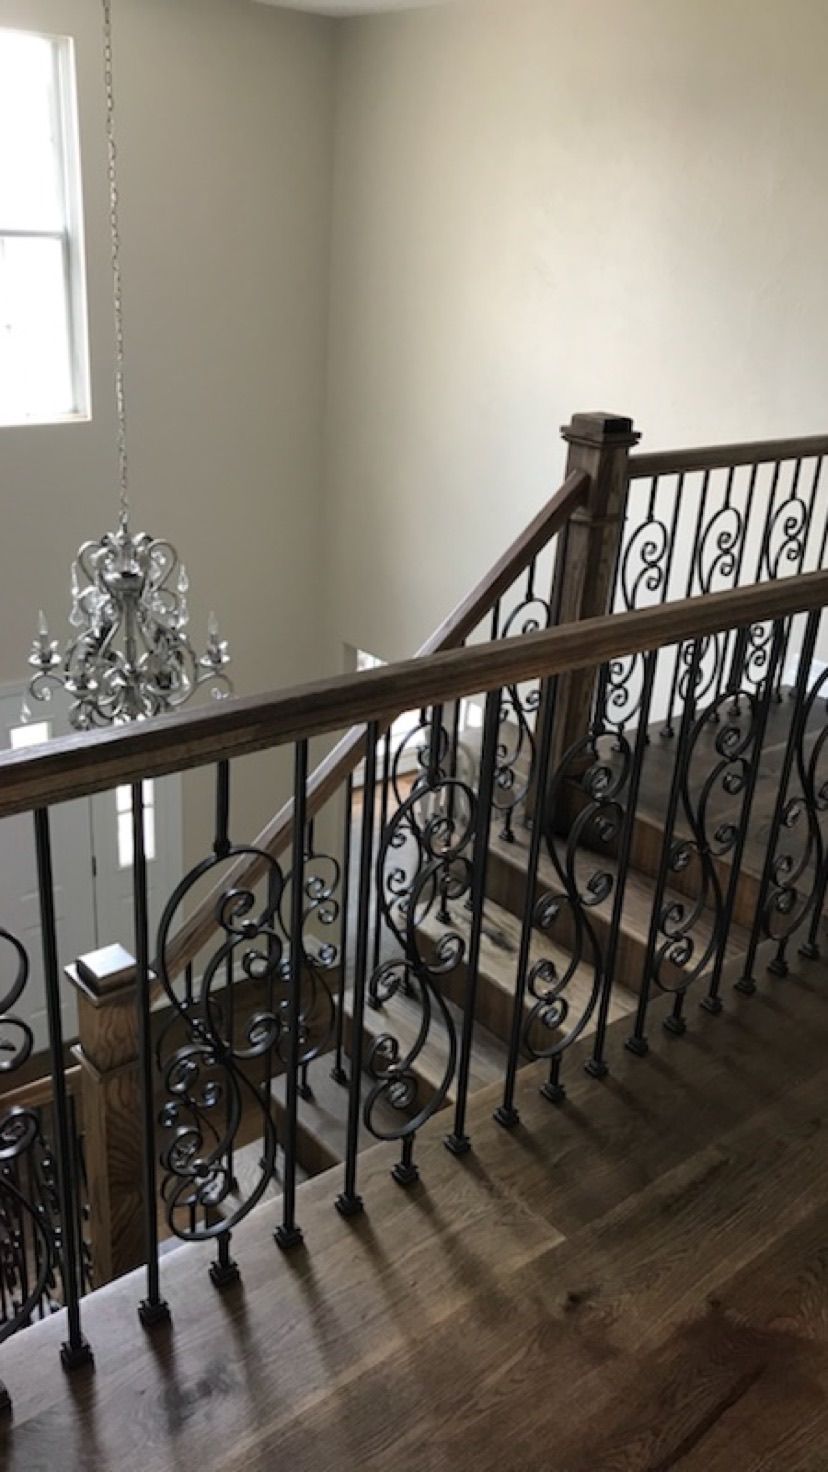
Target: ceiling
(350, 7)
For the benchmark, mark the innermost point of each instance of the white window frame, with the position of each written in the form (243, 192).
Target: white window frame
(65, 102)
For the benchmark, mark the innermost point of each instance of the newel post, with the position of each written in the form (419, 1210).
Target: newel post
(599, 444)
(107, 1051)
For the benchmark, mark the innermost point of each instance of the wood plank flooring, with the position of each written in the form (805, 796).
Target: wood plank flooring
(635, 1282)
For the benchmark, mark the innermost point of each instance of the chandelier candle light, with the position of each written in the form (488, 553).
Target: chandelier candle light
(130, 657)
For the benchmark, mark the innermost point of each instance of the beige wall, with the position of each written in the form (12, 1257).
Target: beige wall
(551, 205)
(224, 125)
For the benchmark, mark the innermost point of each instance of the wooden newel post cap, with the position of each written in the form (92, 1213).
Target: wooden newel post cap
(104, 975)
(598, 428)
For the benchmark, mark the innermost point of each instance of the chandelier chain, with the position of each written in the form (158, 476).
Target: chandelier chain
(115, 245)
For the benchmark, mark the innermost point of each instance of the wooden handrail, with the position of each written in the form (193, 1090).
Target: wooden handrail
(71, 767)
(720, 457)
(38, 1092)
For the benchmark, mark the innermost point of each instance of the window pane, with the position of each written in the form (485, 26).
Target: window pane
(31, 735)
(124, 840)
(123, 811)
(123, 796)
(31, 187)
(35, 366)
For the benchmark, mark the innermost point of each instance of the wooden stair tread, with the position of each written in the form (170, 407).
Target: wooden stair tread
(401, 1016)
(657, 773)
(499, 951)
(638, 897)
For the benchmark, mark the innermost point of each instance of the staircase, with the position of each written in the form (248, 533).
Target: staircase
(533, 933)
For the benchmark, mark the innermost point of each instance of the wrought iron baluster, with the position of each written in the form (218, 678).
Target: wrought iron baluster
(153, 1309)
(423, 872)
(289, 1234)
(349, 1202)
(29, 1230)
(704, 925)
(637, 1043)
(597, 1066)
(810, 948)
(781, 872)
(506, 1113)
(518, 713)
(823, 544)
(586, 796)
(458, 1141)
(712, 1002)
(737, 658)
(338, 1073)
(385, 785)
(75, 1351)
(728, 530)
(799, 530)
(691, 573)
(205, 1076)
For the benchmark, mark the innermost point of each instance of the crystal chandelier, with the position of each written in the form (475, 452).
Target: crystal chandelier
(129, 656)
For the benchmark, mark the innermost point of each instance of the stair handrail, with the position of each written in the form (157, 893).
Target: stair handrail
(646, 463)
(32, 778)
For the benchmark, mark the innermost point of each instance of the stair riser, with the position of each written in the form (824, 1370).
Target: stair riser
(424, 1080)
(507, 884)
(494, 1003)
(646, 857)
(314, 1155)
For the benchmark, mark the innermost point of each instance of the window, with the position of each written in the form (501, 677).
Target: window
(30, 735)
(43, 351)
(123, 809)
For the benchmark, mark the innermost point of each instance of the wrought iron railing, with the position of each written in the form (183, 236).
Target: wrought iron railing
(33, 1243)
(699, 521)
(349, 935)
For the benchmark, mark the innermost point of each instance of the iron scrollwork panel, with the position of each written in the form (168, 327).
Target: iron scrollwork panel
(30, 1228)
(516, 749)
(423, 872)
(797, 874)
(221, 1036)
(714, 784)
(590, 788)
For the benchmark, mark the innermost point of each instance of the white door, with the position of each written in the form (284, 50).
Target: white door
(112, 846)
(92, 859)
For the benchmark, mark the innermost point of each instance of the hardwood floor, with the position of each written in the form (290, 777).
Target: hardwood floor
(635, 1282)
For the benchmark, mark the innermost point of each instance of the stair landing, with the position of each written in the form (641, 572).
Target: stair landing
(635, 1281)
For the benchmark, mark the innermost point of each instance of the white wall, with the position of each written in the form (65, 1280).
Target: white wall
(543, 206)
(224, 127)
